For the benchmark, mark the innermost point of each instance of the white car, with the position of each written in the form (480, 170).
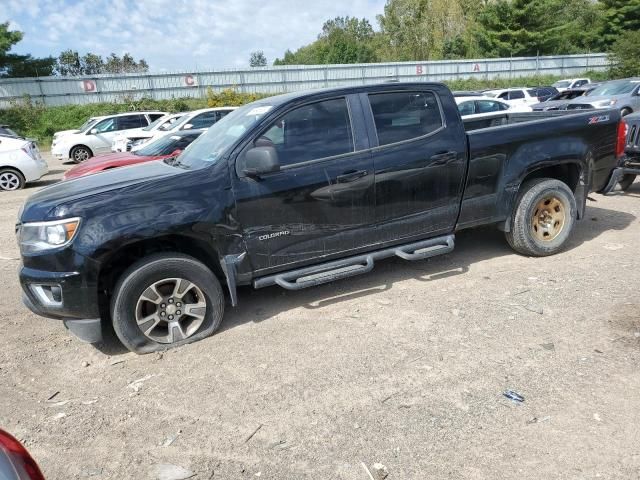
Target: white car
(196, 120)
(123, 142)
(478, 107)
(96, 135)
(20, 163)
(514, 96)
(569, 83)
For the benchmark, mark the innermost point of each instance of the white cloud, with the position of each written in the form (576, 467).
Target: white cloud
(178, 34)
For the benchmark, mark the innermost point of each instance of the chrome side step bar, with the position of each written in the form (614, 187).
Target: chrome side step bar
(352, 266)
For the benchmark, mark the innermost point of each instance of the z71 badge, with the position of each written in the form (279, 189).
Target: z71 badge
(601, 118)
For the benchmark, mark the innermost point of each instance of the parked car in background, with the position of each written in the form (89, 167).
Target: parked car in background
(623, 95)
(159, 149)
(571, 83)
(560, 100)
(519, 96)
(20, 163)
(96, 135)
(197, 119)
(123, 141)
(478, 107)
(5, 131)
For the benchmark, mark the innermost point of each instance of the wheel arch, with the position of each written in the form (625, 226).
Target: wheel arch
(80, 145)
(16, 170)
(571, 173)
(119, 260)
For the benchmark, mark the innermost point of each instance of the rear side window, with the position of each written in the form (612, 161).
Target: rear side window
(402, 116)
(467, 108)
(488, 106)
(131, 121)
(155, 116)
(310, 132)
(516, 95)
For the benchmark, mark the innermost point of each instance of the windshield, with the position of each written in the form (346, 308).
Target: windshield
(86, 125)
(221, 135)
(562, 84)
(8, 131)
(613, 88)
(166, 120)
(166, 145)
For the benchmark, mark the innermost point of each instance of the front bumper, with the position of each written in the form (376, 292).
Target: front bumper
(75, 301)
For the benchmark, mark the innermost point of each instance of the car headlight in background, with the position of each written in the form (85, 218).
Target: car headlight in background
(40, 236)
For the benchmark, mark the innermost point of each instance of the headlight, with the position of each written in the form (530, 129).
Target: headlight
(40, 236)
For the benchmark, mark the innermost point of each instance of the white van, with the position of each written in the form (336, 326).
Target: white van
(96, 135)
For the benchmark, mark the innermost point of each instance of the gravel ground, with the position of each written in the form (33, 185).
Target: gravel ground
(405, 366)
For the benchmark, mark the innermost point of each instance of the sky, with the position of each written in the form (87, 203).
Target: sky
(176, 35)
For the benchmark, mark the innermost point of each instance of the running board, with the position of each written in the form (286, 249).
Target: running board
(352, 266)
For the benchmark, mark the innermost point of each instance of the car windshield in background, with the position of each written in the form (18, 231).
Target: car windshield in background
(86, 125)
(563, 84)
(220, 136)
(614, 88)
(154, 123)
(166, 145)
(490, 94)
(167, 121)
(8, 131)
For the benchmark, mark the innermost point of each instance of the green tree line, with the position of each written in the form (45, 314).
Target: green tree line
(418, 30)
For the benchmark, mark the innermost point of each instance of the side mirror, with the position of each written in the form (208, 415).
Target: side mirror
(260, 160)
(93, 131)
(188, 126)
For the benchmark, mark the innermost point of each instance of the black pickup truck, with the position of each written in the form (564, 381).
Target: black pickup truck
(297, 190)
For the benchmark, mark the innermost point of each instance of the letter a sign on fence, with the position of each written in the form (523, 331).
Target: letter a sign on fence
(89, 86)
(190, 81)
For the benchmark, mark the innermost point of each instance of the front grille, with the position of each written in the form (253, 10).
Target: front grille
(633, 137)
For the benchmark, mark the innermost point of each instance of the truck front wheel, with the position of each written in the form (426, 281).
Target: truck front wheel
(543, 218)
(166, 300)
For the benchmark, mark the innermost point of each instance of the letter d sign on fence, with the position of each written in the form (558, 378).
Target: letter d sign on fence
(89, 86)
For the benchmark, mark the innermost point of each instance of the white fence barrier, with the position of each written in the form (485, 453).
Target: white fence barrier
(118, 88)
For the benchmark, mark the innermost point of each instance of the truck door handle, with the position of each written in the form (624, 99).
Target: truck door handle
(351, 175)
(443, 158)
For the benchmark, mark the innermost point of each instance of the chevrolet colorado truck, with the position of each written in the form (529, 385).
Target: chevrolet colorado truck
(298, 190)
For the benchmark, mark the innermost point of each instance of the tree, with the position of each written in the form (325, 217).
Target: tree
(619, 16)
(93, 64)
(126, 64)
(625, 55)
(342, 40)
(14, 65)
(257, 59)
(69, 64)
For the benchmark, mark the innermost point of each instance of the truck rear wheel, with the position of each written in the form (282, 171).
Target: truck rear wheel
(543, 218)
(166, 300)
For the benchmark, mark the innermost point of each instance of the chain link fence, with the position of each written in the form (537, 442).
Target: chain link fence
(272, 80)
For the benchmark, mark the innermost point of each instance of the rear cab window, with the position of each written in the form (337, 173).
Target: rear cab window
(401, 116)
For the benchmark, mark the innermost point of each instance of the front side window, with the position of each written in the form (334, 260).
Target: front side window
(204, 120)
(108, 125)
(401, 116)
(311, 132)
(516, 95)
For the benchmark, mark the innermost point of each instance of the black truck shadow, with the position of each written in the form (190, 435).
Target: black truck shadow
(472, 246)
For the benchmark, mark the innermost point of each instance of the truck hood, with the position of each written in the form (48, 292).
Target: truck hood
(43, 204)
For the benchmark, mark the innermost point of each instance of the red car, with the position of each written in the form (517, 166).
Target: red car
(164, 147)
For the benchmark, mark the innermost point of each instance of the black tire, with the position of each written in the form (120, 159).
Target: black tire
(525, 235)
(80, 154)
(626, 181)
(625, 111)
(125, 303)
(11, 179)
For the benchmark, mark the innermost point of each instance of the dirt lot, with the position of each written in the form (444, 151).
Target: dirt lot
(405, 366)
